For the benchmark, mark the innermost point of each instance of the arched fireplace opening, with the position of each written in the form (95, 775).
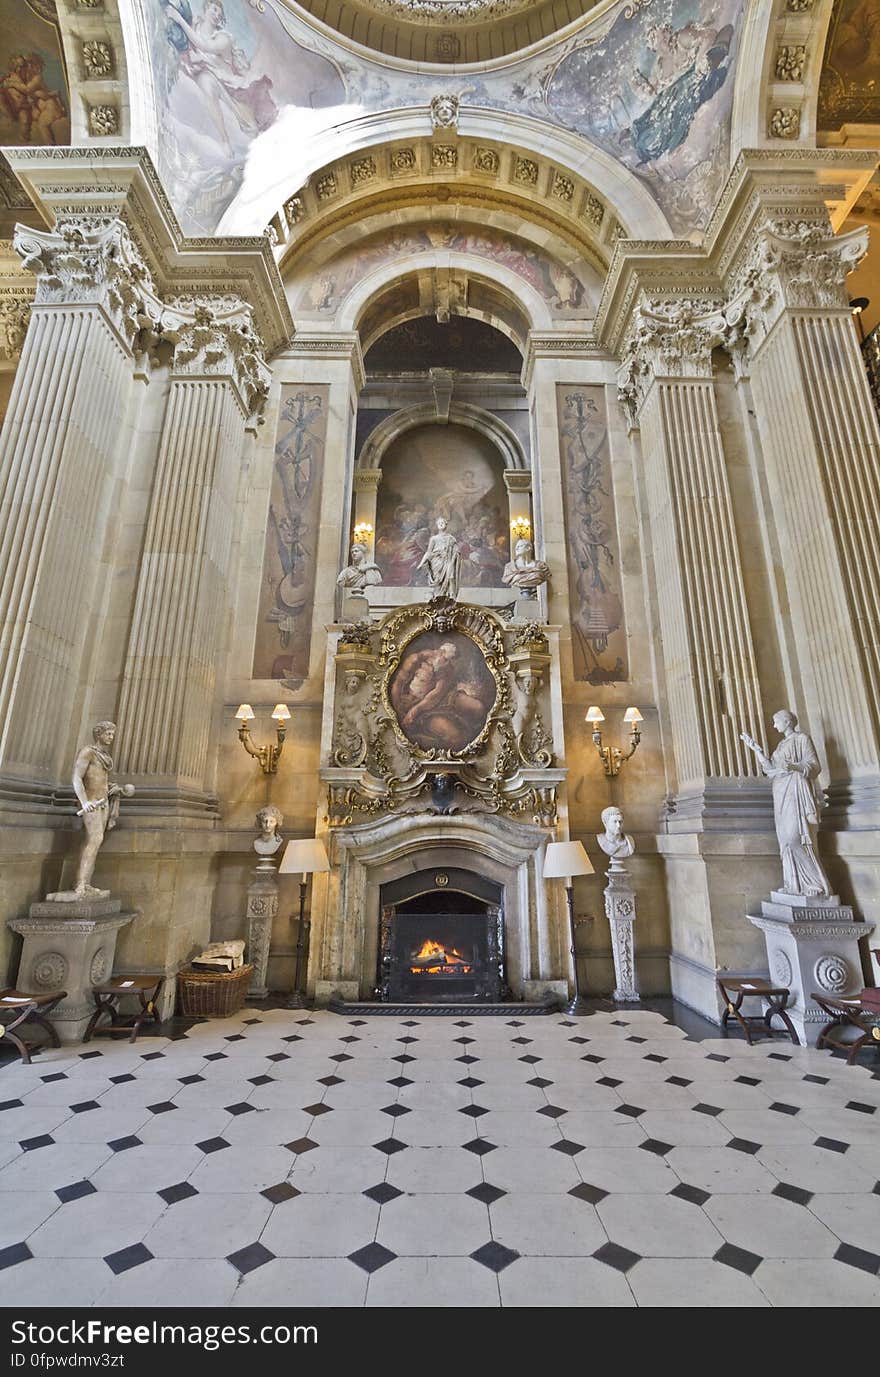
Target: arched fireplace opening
(441, 938)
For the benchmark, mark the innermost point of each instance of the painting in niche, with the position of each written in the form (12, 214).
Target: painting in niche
(287, 594)
(849, 89)
(552, 280)
(598, 632)
(224, 73)
(656, 92)
(449, 471)
(442, 691)
(34, 104)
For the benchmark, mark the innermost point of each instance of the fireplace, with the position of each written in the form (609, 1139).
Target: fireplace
(443, 944)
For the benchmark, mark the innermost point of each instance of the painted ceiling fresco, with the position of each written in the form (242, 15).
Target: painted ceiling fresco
(849, 90)
(243, 87)
(34, 103)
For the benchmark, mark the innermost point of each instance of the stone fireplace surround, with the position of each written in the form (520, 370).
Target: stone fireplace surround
(366, 856)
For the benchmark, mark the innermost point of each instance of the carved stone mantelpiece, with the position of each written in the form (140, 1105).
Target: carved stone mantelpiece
(442, 707)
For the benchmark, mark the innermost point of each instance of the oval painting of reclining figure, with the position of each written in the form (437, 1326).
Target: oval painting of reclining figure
(442, 691)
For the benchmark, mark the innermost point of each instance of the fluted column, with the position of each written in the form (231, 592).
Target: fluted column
(64, 434)
(821, 446)
(708, 655)
(179, 627)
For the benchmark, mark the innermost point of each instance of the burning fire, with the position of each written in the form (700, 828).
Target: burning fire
(433, 958)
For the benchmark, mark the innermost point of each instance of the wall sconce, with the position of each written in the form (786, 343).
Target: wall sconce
(520, 529)
(363, 533)
(857, 306)
(612, 756)
(268, 756)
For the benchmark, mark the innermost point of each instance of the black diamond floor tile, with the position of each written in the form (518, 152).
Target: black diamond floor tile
(470, 1082)
(514, 1023)
(473, 1111)
(395, 1111)
(407, 1039)
(389, 1146)
(485, 1193)
(84, 1106)
(539, 1082)
(816, 1080)
(530, 1059)
(414, 1023)
(782, 1108)
(401, 1081)
(403, 1058)
(831, 1145)
(778, 1056)
(609, 1082)
(219, 1056)
(188, 1080)
(240, 1107)
(152, 1056)
(279, 1193)
(678, 1080)
(352, 1038)
(619, 1023)
(858, 1257)
(89, 1056)
(579, 1040)
(250, 1258)
(747, 1080)
(31, 1144)
(234, 1037)
(212, 1145)
(76, 1191)
(591, 1056)
(284, 1056)
(383, 1193)
(613, 1255)
(316, 1110)
(261, 1080)
(15, 1253)
(461, 1023)
(479, 1146)
(552, 1111)
(712, 1109)
(860, 1108)
(522, 1042)
(692, 1194)
(635, 1039)
(495, 1256)
(738, 1258)
(343, 1056)
(301, 1145)
(330, 1080)
(172, 1195)
(743, 1145)
(716, 1056)
(57, 1076)
(126, 1258)
(796, 1194)
(163, 1107)
(371, 1258)
(466, 1061)
(657, 1146)
(631, 1111)
(121, 1080)
(567, 1146)
(293, 1037)
(125, 1144)
(654, 1056)
(590, 1194)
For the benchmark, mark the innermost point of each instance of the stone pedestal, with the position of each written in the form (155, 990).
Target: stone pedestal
(812, 944)
(262, 906)
(69, 946)
(620, 910)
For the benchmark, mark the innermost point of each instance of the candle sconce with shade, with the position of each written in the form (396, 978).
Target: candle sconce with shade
(613, 757)
(268, 756)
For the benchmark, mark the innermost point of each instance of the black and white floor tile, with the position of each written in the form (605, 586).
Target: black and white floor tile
(314, 1159)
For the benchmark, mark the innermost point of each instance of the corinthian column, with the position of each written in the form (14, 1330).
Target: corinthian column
(63, 436)
(821, 448)
(708, 656)
(179, 626)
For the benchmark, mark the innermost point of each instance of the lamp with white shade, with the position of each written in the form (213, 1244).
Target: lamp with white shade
(612, 756)
(562, 861)
(268, 756)
(304, 856)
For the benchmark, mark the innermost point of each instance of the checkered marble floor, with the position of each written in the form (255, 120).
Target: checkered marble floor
(313, 1159)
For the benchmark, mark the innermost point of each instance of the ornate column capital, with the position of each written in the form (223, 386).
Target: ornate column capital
(214, 337)
(367, 480)
(670, 338)
(791, 264)
(90, 260)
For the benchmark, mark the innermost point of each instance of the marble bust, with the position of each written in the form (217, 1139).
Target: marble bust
(793, 769)
(362, 572)
(524, 572)
(269, 839)
(616, 843)
(99, 808)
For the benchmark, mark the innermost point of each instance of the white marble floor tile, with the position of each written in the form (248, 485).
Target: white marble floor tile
(102, 1125)
(669, 1283)
(721, 1171)
(47, 1168)
(626, 1170)
(170, 1283)
(434, 1226)
(23, 1211)
(321, 1226)
(334, 1168)
(547, 1226)
(90, 1227)
(150, 1167)
(541, 1171)
(816, 1283)
(433, 1170)
(853, 1219)
(768, 1126)
(816, 1169)
(432, 1283)
(563, 1282)
(57, 1283)
(303, 1283)
(208, 1226)
(241, 1169)
(771, 1227)
(659, 1226)
(31, 1121)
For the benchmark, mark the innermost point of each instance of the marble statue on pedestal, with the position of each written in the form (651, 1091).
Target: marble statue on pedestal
(620, 904)
(99, 809)
(524, 572)
(442, 559)
(262, 897)
(362, 572)
(794, 768)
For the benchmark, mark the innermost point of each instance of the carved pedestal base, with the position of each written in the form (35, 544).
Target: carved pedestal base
(69, 946)
(262, 906)
(812, 944)
(620, 910)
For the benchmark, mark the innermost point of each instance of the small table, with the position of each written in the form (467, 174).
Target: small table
(848, 1011)
(107, 997)
(735, 991)
(21, 1007)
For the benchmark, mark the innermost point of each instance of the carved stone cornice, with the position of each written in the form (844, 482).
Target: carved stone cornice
(90, 260)
(214, 337)
(558, 344)
(345, 345)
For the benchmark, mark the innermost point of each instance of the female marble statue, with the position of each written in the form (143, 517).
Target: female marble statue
(443, 561)
(269, 821)
(793, 768)
(524, 572)
(363, 572)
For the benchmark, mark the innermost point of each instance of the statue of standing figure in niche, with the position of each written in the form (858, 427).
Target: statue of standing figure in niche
(362, 572)
(524, 572)
(442, 559)
(99, 809)
(794, 768)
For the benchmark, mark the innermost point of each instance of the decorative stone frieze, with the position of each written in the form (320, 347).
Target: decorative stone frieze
(444, 155)
(362, 170)
(97, 58)
(525, 170)
(487, 160)
(562, 187)
(444, 112)
(326, 186)
(785, 123)
(403, 160)
(593, 211)
(103, 120)
(791, 59)
(15, 309)
(294, 210)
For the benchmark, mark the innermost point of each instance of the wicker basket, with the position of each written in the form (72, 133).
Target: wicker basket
(213, 994)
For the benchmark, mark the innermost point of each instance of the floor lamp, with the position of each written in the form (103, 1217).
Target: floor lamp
(304, 856)
(562, 861)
